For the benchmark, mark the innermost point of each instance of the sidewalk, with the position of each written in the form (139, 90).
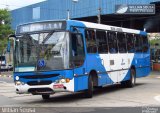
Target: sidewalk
(156, 73)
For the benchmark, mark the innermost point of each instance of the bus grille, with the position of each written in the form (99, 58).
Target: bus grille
(32, 83)
(39, 76)
(40, 90)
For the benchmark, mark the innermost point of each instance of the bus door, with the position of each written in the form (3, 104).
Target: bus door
(78, 61)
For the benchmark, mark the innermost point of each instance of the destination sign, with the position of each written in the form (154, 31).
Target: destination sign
(41, 26)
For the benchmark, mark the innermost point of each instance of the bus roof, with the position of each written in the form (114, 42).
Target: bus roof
(108, 27)
(90, 25)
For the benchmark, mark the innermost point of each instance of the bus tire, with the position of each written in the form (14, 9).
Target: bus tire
(132, 81)
(89, 91)
(45, 97)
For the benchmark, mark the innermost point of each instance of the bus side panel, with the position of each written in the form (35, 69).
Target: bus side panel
(80, 83)
(142, 72)
(104, 79)
(96, 63)
(146, 65)
(142, 64)
(103, 68)
(127, 77)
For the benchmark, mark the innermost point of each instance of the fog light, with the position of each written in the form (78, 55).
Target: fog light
(19, 83)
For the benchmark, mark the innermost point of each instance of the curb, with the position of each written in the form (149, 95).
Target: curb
(8, 76)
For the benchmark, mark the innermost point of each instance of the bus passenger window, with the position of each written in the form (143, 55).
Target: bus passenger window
(91, 41)
(112, 42)
(145, 44)
(102, 41)
(121, 42)
(138, 43)
(130, 43)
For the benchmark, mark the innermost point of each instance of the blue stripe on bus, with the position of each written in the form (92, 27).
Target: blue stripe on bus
(143, 33)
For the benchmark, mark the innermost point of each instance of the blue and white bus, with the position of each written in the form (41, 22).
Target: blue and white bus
(57, 56)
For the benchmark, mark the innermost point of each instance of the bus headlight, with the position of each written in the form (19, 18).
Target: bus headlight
(67, 80)
(62, 81)
(17, 77)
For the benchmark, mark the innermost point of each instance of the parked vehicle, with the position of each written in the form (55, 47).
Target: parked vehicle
(10, 67)
(3, 65)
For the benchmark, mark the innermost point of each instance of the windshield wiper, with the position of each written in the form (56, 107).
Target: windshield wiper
(47, 37)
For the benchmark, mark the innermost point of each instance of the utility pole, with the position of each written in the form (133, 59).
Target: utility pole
(68, 14)
(99, 12)
(68, 11)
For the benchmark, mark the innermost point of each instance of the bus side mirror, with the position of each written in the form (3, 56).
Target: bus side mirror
(11, 37)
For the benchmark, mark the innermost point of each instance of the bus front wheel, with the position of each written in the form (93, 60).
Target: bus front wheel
(45, 97)
(89, 91)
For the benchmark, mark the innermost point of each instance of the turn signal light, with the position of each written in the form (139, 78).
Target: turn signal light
(67, 80)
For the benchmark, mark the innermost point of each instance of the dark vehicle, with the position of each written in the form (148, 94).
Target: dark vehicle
(3, 65)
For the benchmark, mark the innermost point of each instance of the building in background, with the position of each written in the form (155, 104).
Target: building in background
(112, 12)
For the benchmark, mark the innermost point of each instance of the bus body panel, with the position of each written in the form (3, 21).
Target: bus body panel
(33, 78)
(81, 83)
(95, 63)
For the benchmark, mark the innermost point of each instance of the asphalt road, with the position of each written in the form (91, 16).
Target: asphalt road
(6, 79)
(145, 93)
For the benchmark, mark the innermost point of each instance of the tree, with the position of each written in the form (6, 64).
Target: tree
(5, 29)
(154, 41)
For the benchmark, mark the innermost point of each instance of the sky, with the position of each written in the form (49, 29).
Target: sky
(14, 4)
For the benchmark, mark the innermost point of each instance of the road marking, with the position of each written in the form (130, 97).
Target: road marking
(157, 98)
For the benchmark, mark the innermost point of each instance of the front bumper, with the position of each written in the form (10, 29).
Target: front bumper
(45, 89)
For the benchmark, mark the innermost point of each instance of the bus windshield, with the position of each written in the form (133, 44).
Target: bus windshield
(42, 52)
